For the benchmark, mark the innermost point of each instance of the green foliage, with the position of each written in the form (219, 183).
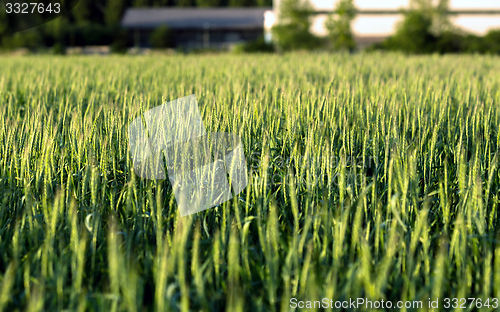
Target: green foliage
(292, 31)
(492, 42)
(413, 35)
(141, 3)
(441, 20)
(255, 46)
(58, 48)
(419, 30)
(427, 29)
(56, 28)
(488, 44)
(161, 38)
(81, 13)
(4, 23)
(450, 42)
(120, 41)
(339, 26)
(31, 39)
(113, 11)
(264, 3)
(241, 3)
(371, 176)
(473, 44)
(185, 3)
(207, 3)
(94, 34)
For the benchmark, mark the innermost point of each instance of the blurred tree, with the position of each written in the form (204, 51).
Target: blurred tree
(437, 11)
(420, 30)
(57, 28)
(120, 40)
(492, 41)
(114, 11)
(141, 3)
(82, 12)
(257, 46)
(97, 34)
(207, 3)
(242, 3)
(423, 6)
(292, 31)
(450, 42)
(473, 44)
(31, 39)
(442, 22)
(161, 38)
(184, 3)
(264, 3)
(58, 48)
(160, 3)
(339, 26)
(413, 34)
(4, 24)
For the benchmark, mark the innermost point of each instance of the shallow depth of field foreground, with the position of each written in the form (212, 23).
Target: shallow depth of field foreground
(371, 176)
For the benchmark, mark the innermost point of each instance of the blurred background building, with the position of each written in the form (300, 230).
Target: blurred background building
(196, 28)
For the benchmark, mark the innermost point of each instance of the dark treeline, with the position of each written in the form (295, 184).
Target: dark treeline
(96, 22)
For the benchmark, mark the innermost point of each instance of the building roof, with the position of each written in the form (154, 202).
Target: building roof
(195, 18)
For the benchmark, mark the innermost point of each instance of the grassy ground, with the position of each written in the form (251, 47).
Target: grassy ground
(371, 176)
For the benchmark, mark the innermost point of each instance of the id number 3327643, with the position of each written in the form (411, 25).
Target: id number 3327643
(32, 8)
(470, 303)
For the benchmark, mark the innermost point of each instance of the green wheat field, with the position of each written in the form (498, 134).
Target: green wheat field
(370, 176)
